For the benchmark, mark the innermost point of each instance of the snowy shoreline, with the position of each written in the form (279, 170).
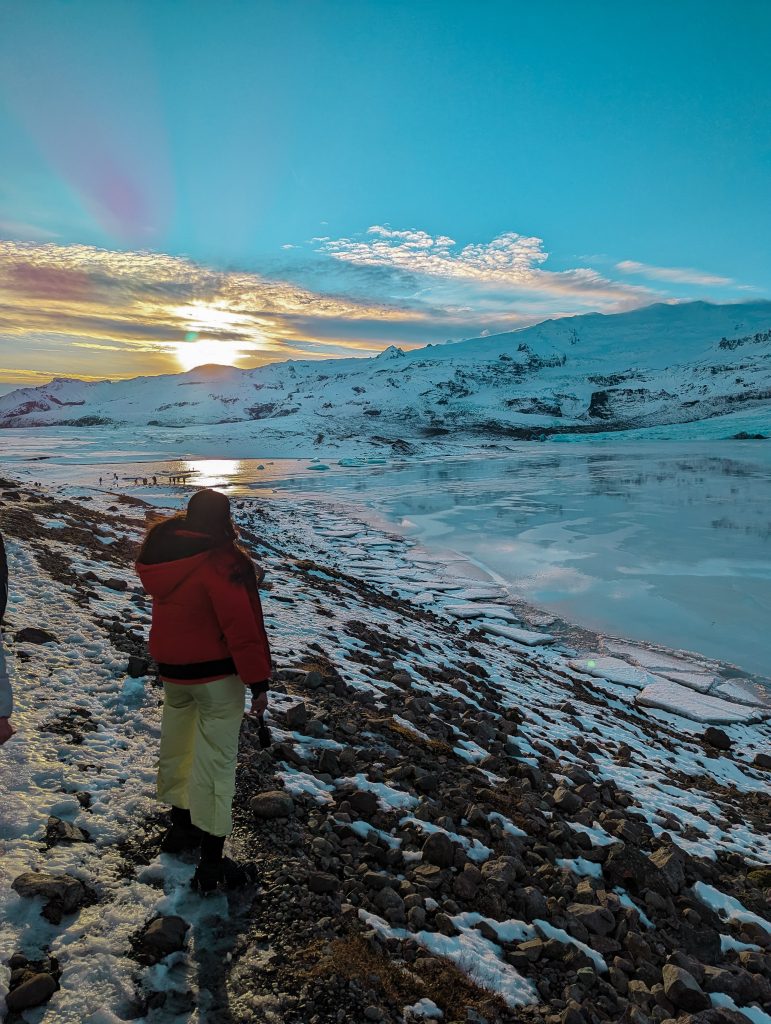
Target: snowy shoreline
(340, 588)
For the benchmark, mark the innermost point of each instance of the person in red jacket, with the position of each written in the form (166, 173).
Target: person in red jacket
(208, 638)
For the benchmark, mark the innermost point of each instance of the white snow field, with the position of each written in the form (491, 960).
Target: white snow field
(662, 365)
(659, 762)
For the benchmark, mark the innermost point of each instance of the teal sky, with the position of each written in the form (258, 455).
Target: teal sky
(515, 161)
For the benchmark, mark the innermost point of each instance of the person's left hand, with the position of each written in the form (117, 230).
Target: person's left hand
(259, 705)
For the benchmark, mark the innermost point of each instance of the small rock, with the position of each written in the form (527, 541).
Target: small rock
(762, 761)
(115, 584)
(64, 891)
(321, 881)
(363, 802)
(32, 992)
(717, 738)
(373, 1013)
(597, 919)
(670, 862)
(532, 949)
(272, 804)
(164, 935)
(439, 849)
(296, 716)
(388, 899)
(377, 880)
(501, 873)
(314, 680)
(402, 679)
(682, 989)
(58, 831)
(137, 667)
(567, 800)
(34, 635)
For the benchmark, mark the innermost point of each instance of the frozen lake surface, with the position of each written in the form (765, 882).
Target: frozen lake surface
(665, 542)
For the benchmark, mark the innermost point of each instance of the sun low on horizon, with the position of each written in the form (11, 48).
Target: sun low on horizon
(200, 347)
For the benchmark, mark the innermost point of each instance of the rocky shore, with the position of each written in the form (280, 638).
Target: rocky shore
(459, 818)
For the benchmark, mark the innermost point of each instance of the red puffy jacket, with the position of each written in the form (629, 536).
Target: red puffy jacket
(207, 619)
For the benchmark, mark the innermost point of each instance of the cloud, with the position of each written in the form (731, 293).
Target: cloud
(510, 265)
(93, 312)
(678, 275)
(90, 311)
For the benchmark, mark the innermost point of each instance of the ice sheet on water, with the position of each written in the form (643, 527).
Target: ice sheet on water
(473, 610)
(700, 681)
(614, 669)
(521, 636)
(667, 695)
(739, 693)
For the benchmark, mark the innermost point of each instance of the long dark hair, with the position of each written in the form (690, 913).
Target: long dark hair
(207, 525)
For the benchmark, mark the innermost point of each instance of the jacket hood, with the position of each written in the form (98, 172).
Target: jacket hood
(170, 553)
(161, 578)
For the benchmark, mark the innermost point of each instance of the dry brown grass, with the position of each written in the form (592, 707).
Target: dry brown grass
(438, 746)
(352, 958)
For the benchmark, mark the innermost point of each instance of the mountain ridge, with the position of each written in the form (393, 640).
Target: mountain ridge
(657, 365)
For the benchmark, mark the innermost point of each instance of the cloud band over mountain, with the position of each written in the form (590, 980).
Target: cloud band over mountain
(76, 310)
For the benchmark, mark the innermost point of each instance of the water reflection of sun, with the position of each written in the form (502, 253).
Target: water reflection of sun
(212, 472)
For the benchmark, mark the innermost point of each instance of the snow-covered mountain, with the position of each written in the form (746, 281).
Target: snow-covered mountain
(658, 365)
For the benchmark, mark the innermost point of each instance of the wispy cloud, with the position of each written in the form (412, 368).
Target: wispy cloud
(677, 275)
(510, 262)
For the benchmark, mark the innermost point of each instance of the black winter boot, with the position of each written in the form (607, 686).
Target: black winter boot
(183, 834)
(216, 871)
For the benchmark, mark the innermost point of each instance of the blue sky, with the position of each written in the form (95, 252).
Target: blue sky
(259, 180)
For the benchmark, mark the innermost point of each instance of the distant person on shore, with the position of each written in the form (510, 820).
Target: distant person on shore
(6, 694)
(209, 640)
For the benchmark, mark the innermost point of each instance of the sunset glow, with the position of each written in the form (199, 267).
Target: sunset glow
(198, 351)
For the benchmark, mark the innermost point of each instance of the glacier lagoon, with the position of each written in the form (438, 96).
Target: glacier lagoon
(669, 544)
(662, 542)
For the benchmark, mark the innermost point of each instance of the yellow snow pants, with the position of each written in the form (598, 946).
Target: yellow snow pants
(199, 743)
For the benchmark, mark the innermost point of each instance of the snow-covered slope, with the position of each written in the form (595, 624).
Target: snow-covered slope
(661, 364)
